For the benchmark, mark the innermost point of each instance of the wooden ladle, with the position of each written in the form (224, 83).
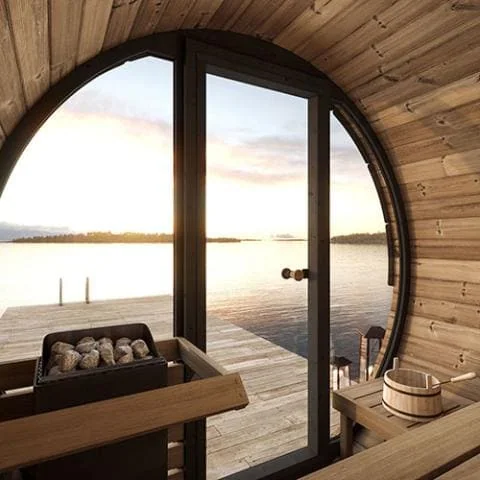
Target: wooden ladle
(460, 378)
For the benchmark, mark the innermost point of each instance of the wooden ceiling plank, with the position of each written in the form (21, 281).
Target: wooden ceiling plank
(174, 15)
(201, 13)
(12, 105)
(95, 20)
(254, 15)
(377, 27)
(418, 37)
(310, 21)
(352, 16)
(148, 16)
(65, 21)
(30, 34)
(417, 75)
(439, 124)
(122, 18)
(228, 13)
(283, 16)
(453, 95)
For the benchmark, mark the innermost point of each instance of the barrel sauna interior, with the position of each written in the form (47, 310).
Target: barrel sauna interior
(411, 67)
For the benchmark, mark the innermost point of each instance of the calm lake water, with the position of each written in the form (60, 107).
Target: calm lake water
(243, 283)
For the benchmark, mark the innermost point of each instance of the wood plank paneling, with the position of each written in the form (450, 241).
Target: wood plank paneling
(442, 188)
(433, 28)
(441, 124)
(272, 25)
(419, 75)
(12, 104)
(349, 19)
(228, 13)
(147, 17)
(310, 21)
(457, 206)
(450, 249)
(201, 13)
(462, 163)
(445, 311)
(450, 228)
(94, 27)
(65, 20)
(174, 15)
(387, 20)
(121, 22)
(441, 269)
(458, 93)
(30, 34)
(458, 292)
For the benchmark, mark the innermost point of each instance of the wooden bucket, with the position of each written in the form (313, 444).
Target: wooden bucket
(411, 394)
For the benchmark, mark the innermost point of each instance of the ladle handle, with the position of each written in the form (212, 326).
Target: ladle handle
(465, 376)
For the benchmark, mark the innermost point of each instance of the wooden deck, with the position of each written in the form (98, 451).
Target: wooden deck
(276, 380)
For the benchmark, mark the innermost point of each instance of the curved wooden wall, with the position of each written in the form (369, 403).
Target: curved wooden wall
(412, 67)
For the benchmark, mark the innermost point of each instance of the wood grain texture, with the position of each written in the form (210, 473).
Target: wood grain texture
(349, 19)
(121, 22)
(201, 13)
(30, 34)
(46, 436)
(437, 26)
(312, 20)
(95, 20)
(65, 21)
(422, 453)
(148, 15)
(174, 15)
(12, 103)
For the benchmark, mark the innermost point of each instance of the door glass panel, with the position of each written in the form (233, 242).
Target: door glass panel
(95, 188)
(360, 296)
(257, 196)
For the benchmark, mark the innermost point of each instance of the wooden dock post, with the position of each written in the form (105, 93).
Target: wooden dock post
(87, 290)
(60, 292)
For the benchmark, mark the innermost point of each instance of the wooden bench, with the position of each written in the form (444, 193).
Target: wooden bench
(362, 404)
(447, 449)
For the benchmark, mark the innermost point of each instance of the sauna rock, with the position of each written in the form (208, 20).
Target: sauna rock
(89, 353)
(69, 360)
(90, 360)
(61, 347)
(140, 348)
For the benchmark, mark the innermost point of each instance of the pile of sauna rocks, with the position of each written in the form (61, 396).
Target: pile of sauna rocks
(89, 353)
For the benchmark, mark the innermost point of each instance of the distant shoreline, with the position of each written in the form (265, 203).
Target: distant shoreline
(108, 237)
(132, 237)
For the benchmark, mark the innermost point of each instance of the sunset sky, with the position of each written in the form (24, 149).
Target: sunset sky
(103, 161)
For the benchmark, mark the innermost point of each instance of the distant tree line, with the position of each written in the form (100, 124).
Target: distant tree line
(109, 237)
(361, 238)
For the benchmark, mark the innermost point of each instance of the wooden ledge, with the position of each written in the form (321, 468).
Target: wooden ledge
(35, 439)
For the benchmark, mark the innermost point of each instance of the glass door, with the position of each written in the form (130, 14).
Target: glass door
(261, 146)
